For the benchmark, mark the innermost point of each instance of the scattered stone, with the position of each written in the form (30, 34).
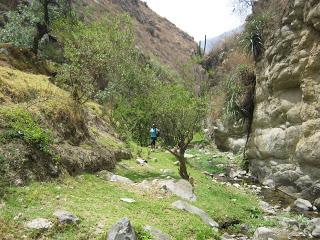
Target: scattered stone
(197, 211)
(263, 233)
(109, 176)
(18, 216)
(269, 183)
(316, 204)
(267, 208)
(302, 205)
(128, 200)
(156, 234)
(236, 185)
(65, 217)
(181, 188)
(316, 232)
(226, 236)
(141, 161)
(2, 205)
(122, 230)
(166, 171)
(186, 155)
(176, 163)
(39, 224)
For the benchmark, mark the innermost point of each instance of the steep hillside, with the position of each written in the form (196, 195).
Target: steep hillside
(155, 35)
(43, 133)
(284, 146)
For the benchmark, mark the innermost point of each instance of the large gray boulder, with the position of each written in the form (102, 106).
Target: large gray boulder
(39, 224)
(263, 233)
(156, 234)
(181, 188)
(122, 230)
(303, 205)
(65, 217)
(197, 211)
(317, 204)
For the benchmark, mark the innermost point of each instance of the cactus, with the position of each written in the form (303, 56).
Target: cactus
(201, 52)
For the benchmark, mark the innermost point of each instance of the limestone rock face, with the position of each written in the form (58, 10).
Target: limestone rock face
(285, 141)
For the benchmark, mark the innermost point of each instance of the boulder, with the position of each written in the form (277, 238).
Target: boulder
(263, 233)
(122, 230)
(316, 232)
(39, 224)
(303, 205)
(317, 204)
(181, 188)
(109, 176)
(156, 234)
(197, 211)
(65, 217)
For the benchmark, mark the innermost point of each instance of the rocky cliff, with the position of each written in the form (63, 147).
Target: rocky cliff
(284, 147)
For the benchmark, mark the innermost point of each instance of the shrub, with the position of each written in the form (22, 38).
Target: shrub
(252, 38)
(239, 90)
(21, 124)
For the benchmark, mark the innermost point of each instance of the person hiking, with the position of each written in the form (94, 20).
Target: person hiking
(154, 134)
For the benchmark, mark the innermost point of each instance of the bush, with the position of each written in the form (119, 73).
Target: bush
(239, 90)
(252, 38)
(21, 125)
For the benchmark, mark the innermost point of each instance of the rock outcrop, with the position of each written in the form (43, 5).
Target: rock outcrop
(285, 142)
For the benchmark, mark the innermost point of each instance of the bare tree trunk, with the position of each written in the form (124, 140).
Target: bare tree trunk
(183, 167)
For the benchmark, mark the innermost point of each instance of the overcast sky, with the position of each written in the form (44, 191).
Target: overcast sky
(198, 17)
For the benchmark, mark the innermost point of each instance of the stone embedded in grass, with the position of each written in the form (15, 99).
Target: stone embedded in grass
(39, 224)
(122, 230)
(181, 188)
(156, 234)
(128, 200)
(186, 155)
(141, 161)
(109, 176)
(65, 217)
(197, 211)
(316, 232)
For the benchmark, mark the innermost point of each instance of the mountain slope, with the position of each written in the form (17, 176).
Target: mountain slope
(155, 35)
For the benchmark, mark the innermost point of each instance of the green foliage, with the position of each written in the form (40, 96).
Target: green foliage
(142, 234)
(238, 90)
(252, 38)
(179, 114)
(101, 60)
(20, 27)
(22, 125)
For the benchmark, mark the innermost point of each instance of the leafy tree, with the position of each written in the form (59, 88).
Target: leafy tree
(179, 115)
(26, 25)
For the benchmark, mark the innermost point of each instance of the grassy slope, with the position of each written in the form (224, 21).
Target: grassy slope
(98, 204)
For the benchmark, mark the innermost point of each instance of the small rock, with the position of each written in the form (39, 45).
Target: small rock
(226, 236)
(166, 171)
(186, 155)
(128, 200)
(316, 232)
(65, 217)
(17, 217)
(39, 224)
(302, 205)
(269, 183)
(197, 211)
(109, 176)
(141, 161)
(263, 233)
(316, 204)
(156, 234)
(2, 205)
(176, 163)
(122, 230)
(237, 185)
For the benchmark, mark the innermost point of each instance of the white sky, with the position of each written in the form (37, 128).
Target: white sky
(198, 17)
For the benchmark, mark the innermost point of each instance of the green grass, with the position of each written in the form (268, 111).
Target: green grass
(97, 202)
